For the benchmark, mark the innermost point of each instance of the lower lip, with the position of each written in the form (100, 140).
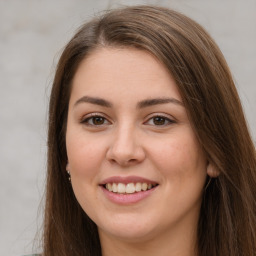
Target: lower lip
(127, 198)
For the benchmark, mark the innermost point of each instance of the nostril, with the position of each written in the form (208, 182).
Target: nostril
(125, 151)
(123, 162)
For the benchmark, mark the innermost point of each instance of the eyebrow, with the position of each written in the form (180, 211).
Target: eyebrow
(141, 104)
(93, 100)
(157, 101)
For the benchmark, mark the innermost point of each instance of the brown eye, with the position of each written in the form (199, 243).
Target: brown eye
(161, 121)
(158, 120)
(98, 120)
(95, 121)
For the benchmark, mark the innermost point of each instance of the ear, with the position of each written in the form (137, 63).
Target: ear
(212, 171)
(67, 167)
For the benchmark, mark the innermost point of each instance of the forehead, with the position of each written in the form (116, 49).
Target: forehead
(126, 71)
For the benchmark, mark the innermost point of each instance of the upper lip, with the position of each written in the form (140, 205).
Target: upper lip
(126, 180)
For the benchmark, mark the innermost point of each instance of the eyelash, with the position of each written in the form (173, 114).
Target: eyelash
(167, 120)
(92, 117)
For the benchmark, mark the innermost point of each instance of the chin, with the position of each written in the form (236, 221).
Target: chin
(130, 229)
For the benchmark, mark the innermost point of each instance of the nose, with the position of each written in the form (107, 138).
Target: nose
(125, 148)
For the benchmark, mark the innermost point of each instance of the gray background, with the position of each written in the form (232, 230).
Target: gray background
(32, 34)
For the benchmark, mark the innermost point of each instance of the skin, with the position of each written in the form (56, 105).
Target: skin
(128, 140)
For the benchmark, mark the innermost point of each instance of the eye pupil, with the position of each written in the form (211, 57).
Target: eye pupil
(97, 120)
(159, 120)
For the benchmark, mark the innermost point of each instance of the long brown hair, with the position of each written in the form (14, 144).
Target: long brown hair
(227, 224)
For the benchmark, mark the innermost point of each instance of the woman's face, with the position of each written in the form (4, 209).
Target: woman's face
(136, 167)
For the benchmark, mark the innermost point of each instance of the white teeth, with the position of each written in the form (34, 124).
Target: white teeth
(109, 187)
(138, 187)
(129, 188)
(121, 188)
(114, 187)
(144, 186)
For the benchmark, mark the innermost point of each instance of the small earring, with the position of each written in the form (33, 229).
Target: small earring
(69, 177)
(68, 172)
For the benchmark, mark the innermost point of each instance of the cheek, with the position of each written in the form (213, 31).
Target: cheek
(84, 155)
(85, 158)
(183, 170)
(179, 157)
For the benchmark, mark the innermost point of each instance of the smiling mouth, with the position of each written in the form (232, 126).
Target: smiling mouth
(130, 188)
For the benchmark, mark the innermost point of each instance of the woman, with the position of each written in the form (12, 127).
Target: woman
(148, 148)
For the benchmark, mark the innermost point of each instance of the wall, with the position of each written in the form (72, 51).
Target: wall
(32, 34)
